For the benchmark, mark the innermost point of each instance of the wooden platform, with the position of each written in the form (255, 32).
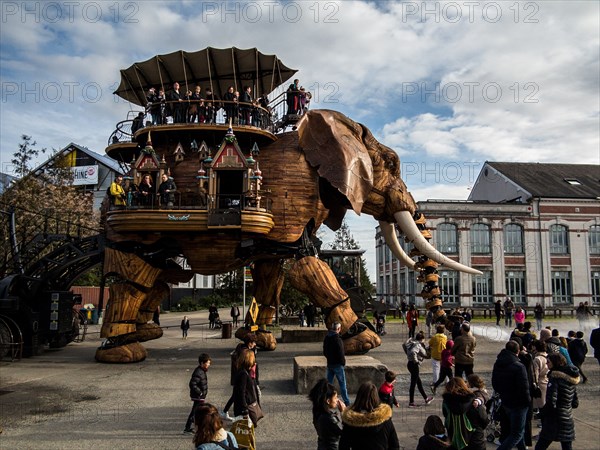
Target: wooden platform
(303, 334)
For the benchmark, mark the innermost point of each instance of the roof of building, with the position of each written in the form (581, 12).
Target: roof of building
(103, 159)
(553, 180)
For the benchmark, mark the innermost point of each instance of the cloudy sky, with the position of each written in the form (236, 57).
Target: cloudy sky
(448, 85)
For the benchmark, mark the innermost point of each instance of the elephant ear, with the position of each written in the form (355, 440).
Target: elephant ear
(333, 144)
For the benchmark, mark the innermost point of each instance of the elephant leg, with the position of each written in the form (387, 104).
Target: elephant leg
(147, 331)
(268, 282)
(122, 310)
(315, 278)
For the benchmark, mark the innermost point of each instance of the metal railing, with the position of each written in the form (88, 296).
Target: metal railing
(221, 203)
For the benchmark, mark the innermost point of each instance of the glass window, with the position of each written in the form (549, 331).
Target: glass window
(480, 238)
(561, 287)
(449, 286)
(596, 287)
(482, 288)
(513, 238)
(515, 285)
(446, 238)
(559, 240)
(594, 240)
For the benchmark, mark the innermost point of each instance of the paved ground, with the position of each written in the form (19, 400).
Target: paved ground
(65, 400)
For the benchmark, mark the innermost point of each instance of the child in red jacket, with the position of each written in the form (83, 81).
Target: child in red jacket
(386, 390)
(446, 365)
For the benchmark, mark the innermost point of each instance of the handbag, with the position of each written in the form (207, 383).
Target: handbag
(536, 391)
(255, 412)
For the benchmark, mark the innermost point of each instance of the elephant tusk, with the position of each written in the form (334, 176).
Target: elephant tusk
(389, 235)
(412, 233)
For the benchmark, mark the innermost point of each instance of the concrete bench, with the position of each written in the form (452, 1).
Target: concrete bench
(304, 334)
(309, 369)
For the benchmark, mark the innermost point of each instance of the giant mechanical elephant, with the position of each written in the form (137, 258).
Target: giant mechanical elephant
(315, 174)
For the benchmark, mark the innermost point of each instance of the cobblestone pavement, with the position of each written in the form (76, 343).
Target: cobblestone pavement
(65, 400)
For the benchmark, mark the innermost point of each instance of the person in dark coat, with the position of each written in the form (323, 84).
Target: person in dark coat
(198, 388)
(595, 343)
(561, 398)
(185, 326)
(465, 422)
(333, 350)
(310, 311)
(327, 419)
(213, 313)
(434, 435)
(577, 351)
(176, 104)
(510, 381)
(498, 311)
(166, 190)
(368, 423)
(244, 386)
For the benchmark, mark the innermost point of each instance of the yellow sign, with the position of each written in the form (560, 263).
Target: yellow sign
(253, 310)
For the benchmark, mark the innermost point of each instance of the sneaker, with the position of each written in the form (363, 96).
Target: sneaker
(225, 415)
(428, 400)
(188, 431)
(497, 441)
(413, 405)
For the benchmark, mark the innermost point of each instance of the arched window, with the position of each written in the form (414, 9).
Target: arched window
(513, 238)
(559, 240)
(480, 238)
(594, 238)
(446, 238)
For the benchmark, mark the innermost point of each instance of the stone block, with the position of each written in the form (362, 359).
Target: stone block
(360, 368)
(305, 334)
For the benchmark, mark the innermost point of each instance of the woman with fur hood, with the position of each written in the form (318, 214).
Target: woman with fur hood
(466, 419)
(561, 398)
(368, 423)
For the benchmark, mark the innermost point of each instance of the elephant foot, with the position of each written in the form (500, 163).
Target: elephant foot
(128, 353)
(359, 339)
(145, 332)
(265, 340)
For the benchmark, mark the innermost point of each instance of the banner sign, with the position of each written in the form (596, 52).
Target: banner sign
(85, 175)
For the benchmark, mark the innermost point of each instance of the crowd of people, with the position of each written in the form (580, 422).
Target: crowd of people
(534, 380)
(198, 105)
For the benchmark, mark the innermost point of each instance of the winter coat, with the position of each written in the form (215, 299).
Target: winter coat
(447, 358)
(429, 442)
(595, 343)
(198, 384)
(185, 325)
(509, 379)
(561, 398)
(244, 392)
(464, 349)
(369, 430)
(333, 349)
(387, 395)
(329, 430)
(415, 351)
(437, 344)
(465, 424)
(540, 375)
(577, 351)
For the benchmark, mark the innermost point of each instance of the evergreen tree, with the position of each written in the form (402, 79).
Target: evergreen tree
(344, 240)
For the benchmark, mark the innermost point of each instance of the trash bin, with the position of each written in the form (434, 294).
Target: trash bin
(94, 316)
(226, 333)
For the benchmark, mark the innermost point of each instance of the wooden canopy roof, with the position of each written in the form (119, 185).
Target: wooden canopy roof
(211, 67)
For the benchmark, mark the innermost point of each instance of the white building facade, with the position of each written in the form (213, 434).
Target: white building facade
(532, 229)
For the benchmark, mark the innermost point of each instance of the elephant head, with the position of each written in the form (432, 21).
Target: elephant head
(361, 174)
